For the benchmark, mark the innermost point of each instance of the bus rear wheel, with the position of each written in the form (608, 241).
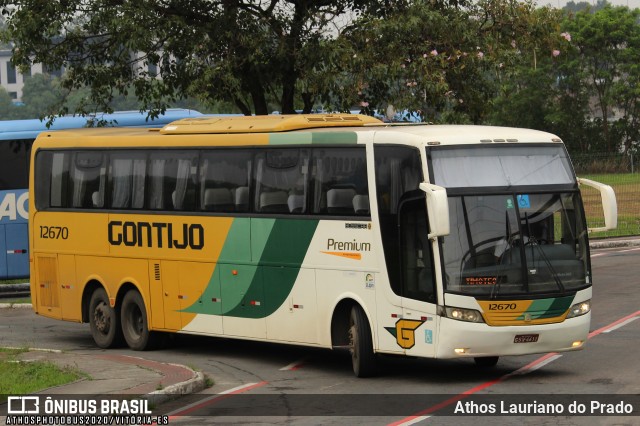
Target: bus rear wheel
(363, 358)
(104, 321)
(486, 361)
(133, 317)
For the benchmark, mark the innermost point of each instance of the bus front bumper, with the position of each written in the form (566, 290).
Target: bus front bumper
(458, 339)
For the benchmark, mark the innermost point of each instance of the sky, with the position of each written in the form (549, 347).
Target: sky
(633, 4)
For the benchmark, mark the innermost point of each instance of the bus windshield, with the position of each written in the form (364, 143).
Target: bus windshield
(520, 230)
(515, 244)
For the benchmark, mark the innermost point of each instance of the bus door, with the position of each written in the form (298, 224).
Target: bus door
(418, 292)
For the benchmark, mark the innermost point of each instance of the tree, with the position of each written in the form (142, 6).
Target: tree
(244, 52)
(444, 61)
(607, 44)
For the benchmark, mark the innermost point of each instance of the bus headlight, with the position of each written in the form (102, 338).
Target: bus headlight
(579, 309)
(460, 314)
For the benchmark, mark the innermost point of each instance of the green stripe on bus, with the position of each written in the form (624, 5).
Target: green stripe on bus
(547, 308)
(251, 290)
(319, 138)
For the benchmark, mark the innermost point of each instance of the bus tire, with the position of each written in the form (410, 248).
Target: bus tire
(133, 317)
(486, 361)
(104, 321)
(363, 358)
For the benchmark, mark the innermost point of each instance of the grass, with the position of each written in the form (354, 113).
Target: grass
(15, 281)
(16, 300)
(627, 189)
(20, 378)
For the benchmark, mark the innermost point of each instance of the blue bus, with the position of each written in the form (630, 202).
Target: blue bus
(16, 137)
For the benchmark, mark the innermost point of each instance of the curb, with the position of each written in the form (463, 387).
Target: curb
(194, 384)
(614, 244)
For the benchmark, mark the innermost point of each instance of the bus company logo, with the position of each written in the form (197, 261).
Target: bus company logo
(156, 234)
(405, 332)
(14, 205)
(347, 249)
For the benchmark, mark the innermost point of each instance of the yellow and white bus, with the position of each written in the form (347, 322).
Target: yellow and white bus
(335, 231)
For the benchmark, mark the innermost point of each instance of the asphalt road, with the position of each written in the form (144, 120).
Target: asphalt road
(277, 384)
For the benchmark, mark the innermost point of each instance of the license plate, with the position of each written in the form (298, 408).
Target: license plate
(526, 338)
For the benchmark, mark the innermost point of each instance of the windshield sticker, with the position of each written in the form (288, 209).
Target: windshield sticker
(523, 201)
(509, 203)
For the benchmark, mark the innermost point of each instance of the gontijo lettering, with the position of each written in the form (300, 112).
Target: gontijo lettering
(156, 234)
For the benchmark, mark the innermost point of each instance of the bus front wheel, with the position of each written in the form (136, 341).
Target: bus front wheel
(134, 321)
(103, 320)
(361, 344)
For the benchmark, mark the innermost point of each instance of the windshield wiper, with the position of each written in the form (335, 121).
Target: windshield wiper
(496, 288)
(534, 243)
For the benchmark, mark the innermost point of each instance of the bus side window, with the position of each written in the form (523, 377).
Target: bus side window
(88, 173)
(340, 182)
(224, 180)
(282, 181)
(172, 180)
(127, 175)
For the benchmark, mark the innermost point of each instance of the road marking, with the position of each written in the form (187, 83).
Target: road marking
(184, 411)
(622, 324)
(294, 365)
(538, 363)
(614, 325)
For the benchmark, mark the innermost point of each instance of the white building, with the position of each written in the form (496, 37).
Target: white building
(11, 79)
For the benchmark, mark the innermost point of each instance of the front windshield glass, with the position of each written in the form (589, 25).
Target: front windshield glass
(515, 244)
(501, 166)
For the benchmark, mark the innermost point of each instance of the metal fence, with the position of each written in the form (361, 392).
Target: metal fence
(622, 172)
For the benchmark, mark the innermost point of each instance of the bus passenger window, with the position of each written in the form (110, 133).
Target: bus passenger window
(88, 174)
(282, 181)
(127, 173)
(340, 185)
(224, 180)
(172, 181)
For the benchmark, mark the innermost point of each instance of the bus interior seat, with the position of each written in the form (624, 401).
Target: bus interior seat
(217, 199)
(274, 202)
(187, 203)
(95, 199)
(296, 203)
(241, 197)
(361, 204)
(340, 200)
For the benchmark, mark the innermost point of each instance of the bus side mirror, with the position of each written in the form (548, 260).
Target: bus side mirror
(609, 204)
(437, 209)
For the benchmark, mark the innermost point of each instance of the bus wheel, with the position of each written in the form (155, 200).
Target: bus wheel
(134, 321)
(360, 344)
(104, 321)
(486, 361)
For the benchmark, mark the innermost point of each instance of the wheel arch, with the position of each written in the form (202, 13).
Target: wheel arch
(340, 320)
